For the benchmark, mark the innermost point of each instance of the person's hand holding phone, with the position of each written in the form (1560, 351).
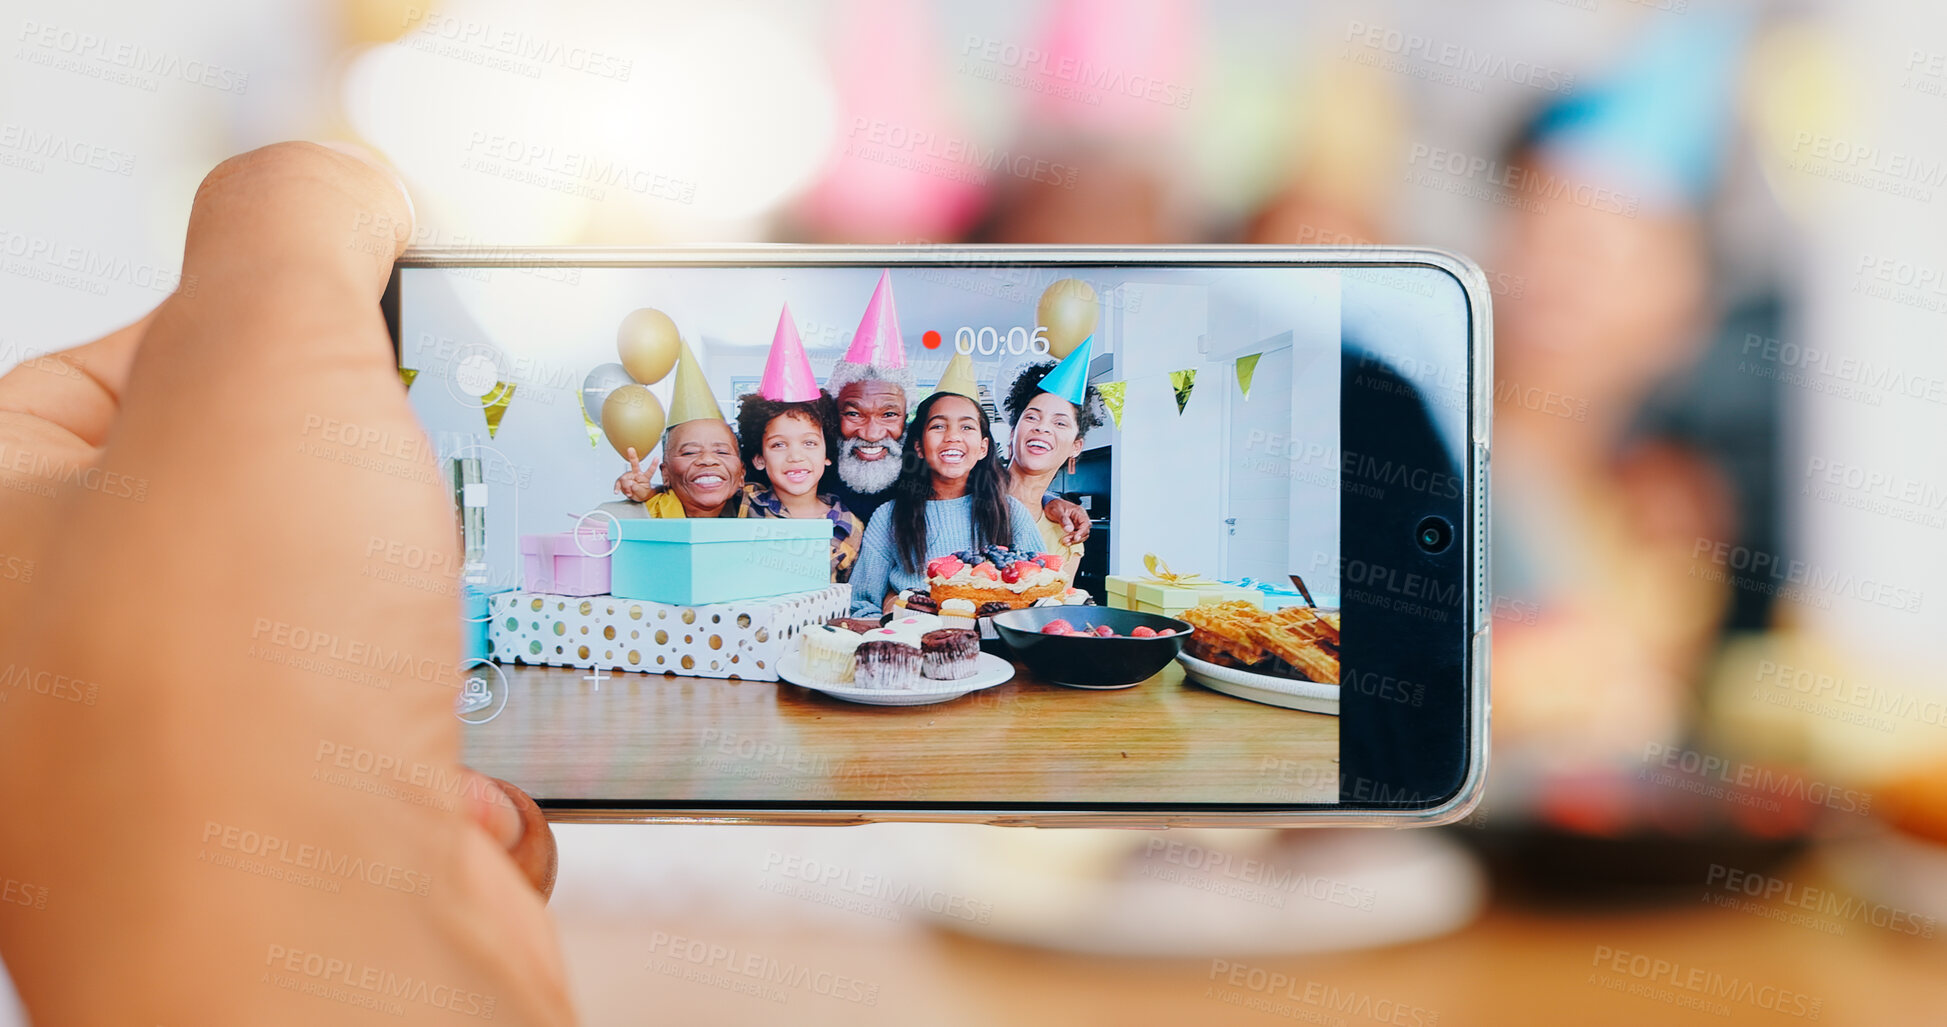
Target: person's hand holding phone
(228, 718)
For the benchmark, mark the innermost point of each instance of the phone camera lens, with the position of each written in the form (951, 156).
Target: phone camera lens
(1435, 534)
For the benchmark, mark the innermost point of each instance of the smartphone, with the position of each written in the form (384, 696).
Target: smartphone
(1090, 536)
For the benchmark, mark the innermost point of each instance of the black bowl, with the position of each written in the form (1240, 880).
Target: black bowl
(1091, 662)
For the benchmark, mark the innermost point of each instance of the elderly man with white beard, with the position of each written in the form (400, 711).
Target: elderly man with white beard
(873, 387)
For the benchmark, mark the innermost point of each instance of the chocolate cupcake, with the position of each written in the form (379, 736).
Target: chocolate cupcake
(990, 609)
(948, 654)
(884, 666)
(857, 624)
(921, 602)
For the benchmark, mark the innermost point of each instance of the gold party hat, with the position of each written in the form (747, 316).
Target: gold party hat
(692, 400)
(959, 378)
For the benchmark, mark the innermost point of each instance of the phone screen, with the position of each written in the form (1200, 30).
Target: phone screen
(1000, 536)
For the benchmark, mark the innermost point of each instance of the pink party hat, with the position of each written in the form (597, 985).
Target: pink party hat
(787, 373)
(1138, 50)
(885, 65)
(878, 343)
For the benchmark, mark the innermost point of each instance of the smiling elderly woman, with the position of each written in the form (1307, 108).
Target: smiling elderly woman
(702, 468)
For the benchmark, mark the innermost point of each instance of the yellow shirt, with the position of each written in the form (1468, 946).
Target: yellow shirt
(1051, 533)
(665, 504)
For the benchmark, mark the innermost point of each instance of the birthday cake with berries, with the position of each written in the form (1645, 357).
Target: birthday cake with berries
(994, 575)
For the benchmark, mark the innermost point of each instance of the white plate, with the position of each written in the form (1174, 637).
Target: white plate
(989, 670)
(1290, 693)
(1106, 893)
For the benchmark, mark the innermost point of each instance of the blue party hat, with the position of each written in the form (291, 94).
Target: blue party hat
(1656, 124)
(1069, 379)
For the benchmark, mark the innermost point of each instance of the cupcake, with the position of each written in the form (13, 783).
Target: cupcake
(917, 601)
(948, 654)
(916, 623)
(957, 613)
(860, 625)
(887, 665)
(990, 609)
(828, 652)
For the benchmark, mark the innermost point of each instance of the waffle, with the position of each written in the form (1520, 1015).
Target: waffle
(1295, 640)
(1226, 628)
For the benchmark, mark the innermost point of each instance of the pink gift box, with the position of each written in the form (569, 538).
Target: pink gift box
(554, 564)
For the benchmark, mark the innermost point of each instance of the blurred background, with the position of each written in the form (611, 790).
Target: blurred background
(1713, 233)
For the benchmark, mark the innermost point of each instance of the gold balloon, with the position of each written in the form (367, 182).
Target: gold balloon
(633, 416)
(647, 342)
(1068, 311)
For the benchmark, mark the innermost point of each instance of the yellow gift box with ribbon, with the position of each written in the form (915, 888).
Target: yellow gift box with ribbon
(1168, 593)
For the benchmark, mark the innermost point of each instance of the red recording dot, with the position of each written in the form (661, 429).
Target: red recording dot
(931, 340)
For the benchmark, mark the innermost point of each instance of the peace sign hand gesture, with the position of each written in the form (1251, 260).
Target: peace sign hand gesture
(636, 483)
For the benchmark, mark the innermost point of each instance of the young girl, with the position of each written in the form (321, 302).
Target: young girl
(786, 457)
(951, 496)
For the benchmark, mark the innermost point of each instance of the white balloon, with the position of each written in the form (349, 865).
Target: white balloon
(604, 379)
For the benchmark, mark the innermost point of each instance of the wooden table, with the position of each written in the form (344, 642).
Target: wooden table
(1513, 967)
(643, 736)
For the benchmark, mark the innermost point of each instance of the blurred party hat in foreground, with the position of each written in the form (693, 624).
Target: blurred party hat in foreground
(877, 343)
(787, 372)
(886, 67)
(958, 378)
(1069, 379)
(692, 400)
(1655, 125)
(1110, 67)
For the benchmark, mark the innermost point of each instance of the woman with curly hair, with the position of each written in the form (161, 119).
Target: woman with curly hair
(1046, 431)
(787, 454)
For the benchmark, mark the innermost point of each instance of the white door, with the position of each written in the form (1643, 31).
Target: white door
(1256, 530)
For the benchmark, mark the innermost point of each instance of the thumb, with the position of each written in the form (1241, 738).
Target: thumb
(516, 822)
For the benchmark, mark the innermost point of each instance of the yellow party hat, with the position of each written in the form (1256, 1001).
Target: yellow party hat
(692, 400)
(959, 378)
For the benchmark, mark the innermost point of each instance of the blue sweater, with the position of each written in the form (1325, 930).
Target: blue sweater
(949, 529)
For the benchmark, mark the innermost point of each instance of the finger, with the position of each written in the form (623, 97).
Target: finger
(274, 335)
(76, 391)
(635, 465)
(515, 820)
(56, 410)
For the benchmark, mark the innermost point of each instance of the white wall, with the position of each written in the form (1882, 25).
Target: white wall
(1171, 488)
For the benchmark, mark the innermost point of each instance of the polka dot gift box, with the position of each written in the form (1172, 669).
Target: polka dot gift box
(742, 639)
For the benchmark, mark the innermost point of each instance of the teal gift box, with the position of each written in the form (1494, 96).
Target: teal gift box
(718, 560)
(473, 639)
(1272, 597)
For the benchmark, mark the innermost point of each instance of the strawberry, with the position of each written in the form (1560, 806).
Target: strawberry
(1052, 561)
(944, 567)
(1104, 631)
(1143, 631)
(987, 570)
(1057, 627)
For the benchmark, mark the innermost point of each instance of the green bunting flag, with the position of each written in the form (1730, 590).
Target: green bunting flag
(1112, 394)
(594, 430)
(1183, 382)
(1246, 367)
(494, 404)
